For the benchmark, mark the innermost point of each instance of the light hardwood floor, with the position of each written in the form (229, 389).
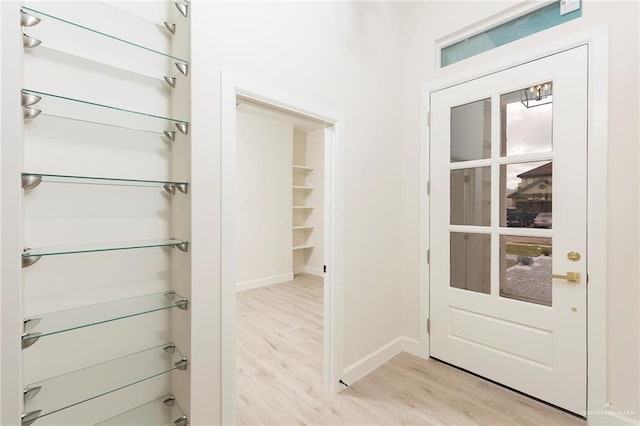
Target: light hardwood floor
(279, 376)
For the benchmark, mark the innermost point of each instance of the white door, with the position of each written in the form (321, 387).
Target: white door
(508, 210)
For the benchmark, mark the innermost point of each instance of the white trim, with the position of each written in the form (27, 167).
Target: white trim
(232, 87)
(488, 23)
(597, 39)
(264, 282)
(425, 161)
(11, 241)
(375, 359)
(609, 416)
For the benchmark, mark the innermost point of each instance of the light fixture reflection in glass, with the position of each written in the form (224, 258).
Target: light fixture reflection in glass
(540, 94)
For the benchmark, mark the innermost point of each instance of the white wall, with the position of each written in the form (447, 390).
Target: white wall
(263, 221)
(424, 24)
(354, 51)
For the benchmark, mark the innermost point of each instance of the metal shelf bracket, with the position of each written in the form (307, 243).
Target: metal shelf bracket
(171, 81)
(28, 99)
(28, 113)
(171, 27)
(169, 401)
(182, 364)
(183, 68)
(27, 20)
(30, 181)
(30, 42)
(170, 188)
(29, 324)
(182, 187)
(183, 9)
(29, 392)
(29, 260)
(30, 417)
(28, 339)
(183, 127)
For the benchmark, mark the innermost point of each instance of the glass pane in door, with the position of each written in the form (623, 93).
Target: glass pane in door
(527, 118)
(526, 194)
(525, 269)
(470, 202)
(470, 262)
(471, 131)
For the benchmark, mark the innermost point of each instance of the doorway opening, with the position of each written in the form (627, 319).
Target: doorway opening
(304, 217)
(279, 257)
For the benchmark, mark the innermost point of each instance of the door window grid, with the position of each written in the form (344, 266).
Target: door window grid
(517, 256)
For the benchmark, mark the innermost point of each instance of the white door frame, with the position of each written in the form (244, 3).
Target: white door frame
(231, 87)
(599, 411)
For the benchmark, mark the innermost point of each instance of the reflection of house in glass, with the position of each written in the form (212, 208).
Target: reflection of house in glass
(534, 193)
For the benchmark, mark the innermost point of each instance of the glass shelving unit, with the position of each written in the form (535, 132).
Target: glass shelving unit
(86, 316)
(99, 39)
(32, 255)
(67, 390)
(31, 180)
(111, 246)
(129, 50)
(37, 102)
(160, 412)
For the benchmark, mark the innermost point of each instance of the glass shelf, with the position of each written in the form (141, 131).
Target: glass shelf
(43, 16)
(30, 180)
(81, 62)
(160, 412)
(91, 112)
(64, 391)
(89, 248)
(86, 316)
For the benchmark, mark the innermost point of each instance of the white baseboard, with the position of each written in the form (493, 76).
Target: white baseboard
(414, 347)
(375, 359)
(609, 417)
(263, 282)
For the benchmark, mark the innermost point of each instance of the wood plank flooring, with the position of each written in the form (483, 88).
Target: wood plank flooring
(279, 376)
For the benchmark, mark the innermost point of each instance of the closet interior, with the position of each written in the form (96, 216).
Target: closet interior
(280, 218)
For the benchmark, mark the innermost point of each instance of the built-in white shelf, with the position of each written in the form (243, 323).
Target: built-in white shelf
(303, 188)
(297, 228)
(302, 168)
(302, 207)
(304, 246)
